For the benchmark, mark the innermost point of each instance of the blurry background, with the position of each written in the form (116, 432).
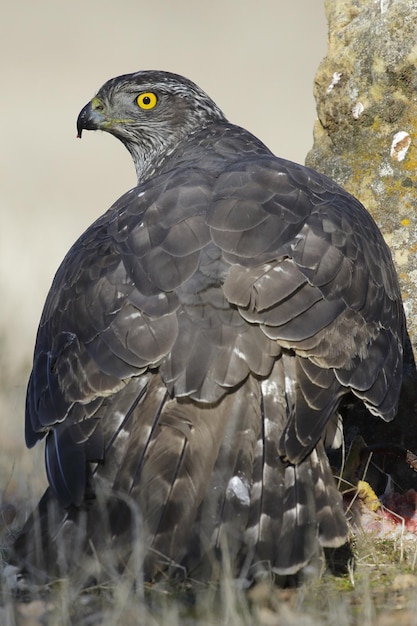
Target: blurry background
(257, 60)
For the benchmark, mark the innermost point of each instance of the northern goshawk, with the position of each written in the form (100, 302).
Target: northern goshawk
(195, 346)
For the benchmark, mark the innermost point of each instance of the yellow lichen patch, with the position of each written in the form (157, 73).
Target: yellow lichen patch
(403, 276)
(368, 495)
(405, 222)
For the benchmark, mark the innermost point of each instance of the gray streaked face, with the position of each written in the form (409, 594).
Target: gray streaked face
(150, 112)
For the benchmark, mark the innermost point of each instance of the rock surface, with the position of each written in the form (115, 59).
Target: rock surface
(365, 138)
(366, 133)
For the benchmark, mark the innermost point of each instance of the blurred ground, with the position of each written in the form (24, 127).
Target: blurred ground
(257, 61)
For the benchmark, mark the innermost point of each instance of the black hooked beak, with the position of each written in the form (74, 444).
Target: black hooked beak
(91, 117)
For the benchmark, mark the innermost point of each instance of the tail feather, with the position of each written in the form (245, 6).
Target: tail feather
(191, 483)
(296, 509)
(329, 504)
(169, 454)
(222, 518)
(174, 478)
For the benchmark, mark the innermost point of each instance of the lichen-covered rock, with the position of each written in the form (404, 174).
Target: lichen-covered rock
(366, 139)
(366, 133)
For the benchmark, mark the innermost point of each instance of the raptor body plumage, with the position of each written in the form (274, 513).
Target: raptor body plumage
(196, 343)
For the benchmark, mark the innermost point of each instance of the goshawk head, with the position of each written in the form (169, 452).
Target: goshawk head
(150, 112)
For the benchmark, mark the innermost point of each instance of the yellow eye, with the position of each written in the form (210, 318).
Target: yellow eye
(147, 100)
